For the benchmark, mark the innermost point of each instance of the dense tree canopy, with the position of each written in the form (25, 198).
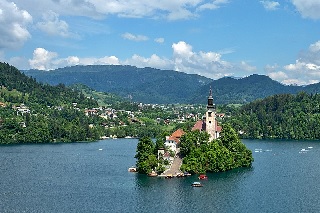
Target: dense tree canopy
(224, 153)
(146, 158)
(280, 117)
(51, 113)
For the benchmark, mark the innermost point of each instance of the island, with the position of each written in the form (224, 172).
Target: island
(208, 147)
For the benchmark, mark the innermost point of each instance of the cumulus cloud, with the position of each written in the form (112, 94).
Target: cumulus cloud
(308, 8)
(132, 37)
(46, 60)
(53, 26)
(305, 70)
(208, 64)
(13, 25)
(42, 59)
(270, 5)
(168, 9)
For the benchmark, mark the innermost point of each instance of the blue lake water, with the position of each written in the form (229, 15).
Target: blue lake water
(93, 177)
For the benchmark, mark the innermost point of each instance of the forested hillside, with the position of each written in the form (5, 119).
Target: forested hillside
(37, 113)
(229, 90)
(147, 85)
(280, 117)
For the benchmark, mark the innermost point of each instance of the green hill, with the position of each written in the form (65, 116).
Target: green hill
(31, 112)
(282, 116)
(244, 90)
(149, 85)
(145, 85)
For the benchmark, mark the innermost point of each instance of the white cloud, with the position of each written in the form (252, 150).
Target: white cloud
(159, 40)
(13, 25)
(305, 70)
(245, 66)
(308, 8)
(207, 64)
(168, 9)
(53, 26)
(46, 60)
(270, 5)
(42, 59)
(132, 37)
(154, 61)
(212, 5)
(315, 47)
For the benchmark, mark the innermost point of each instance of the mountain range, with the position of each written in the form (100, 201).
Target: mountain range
(149, 85)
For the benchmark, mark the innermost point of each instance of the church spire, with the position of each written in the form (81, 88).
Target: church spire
(211, 117)
(210, 100)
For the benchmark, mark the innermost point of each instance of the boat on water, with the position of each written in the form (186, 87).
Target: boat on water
(179, 175)
(196, 184)
(186, 174)
(169, 176)
(153, 174)
(132, 169)
(203, 177)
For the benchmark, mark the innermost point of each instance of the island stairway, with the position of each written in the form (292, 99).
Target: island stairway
(175, 166)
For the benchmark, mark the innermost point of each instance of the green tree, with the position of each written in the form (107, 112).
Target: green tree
(146, 159)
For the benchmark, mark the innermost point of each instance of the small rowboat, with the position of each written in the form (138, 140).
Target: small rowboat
(196, 184)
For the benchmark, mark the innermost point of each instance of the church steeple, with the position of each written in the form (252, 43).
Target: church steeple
(211, 106)
(211, 117)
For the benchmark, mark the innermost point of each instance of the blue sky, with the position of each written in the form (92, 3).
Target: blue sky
(212, 38)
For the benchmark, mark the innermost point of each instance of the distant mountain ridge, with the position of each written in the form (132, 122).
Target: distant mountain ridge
(149, 85)
(244, 90)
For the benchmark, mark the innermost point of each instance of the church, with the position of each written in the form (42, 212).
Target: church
(209, 122)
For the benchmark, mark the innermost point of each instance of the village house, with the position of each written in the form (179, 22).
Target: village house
(22, 109)
(172, 141)
(90, 112)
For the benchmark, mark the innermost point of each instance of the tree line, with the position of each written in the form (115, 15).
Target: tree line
(282, 116)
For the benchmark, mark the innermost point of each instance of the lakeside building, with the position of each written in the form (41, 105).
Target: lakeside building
(209, 122)
(172, 141)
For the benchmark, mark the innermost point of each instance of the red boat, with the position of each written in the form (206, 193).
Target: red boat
(203, 177)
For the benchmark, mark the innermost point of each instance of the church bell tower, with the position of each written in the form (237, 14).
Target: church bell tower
(211, 117)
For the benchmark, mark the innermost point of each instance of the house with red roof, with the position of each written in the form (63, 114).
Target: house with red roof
(172, 141)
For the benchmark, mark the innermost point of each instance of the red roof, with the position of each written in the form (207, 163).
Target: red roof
(198, 126)
(201, 126)
(177, 135)
(218, 128)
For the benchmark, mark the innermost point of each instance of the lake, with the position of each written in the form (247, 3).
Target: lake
(94, 177)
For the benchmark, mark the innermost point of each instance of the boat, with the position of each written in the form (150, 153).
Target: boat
(179, 175)
(153, 174)
(203, 177)
(169, 176)
(186, 174)
(196, 184)
(132, 169)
